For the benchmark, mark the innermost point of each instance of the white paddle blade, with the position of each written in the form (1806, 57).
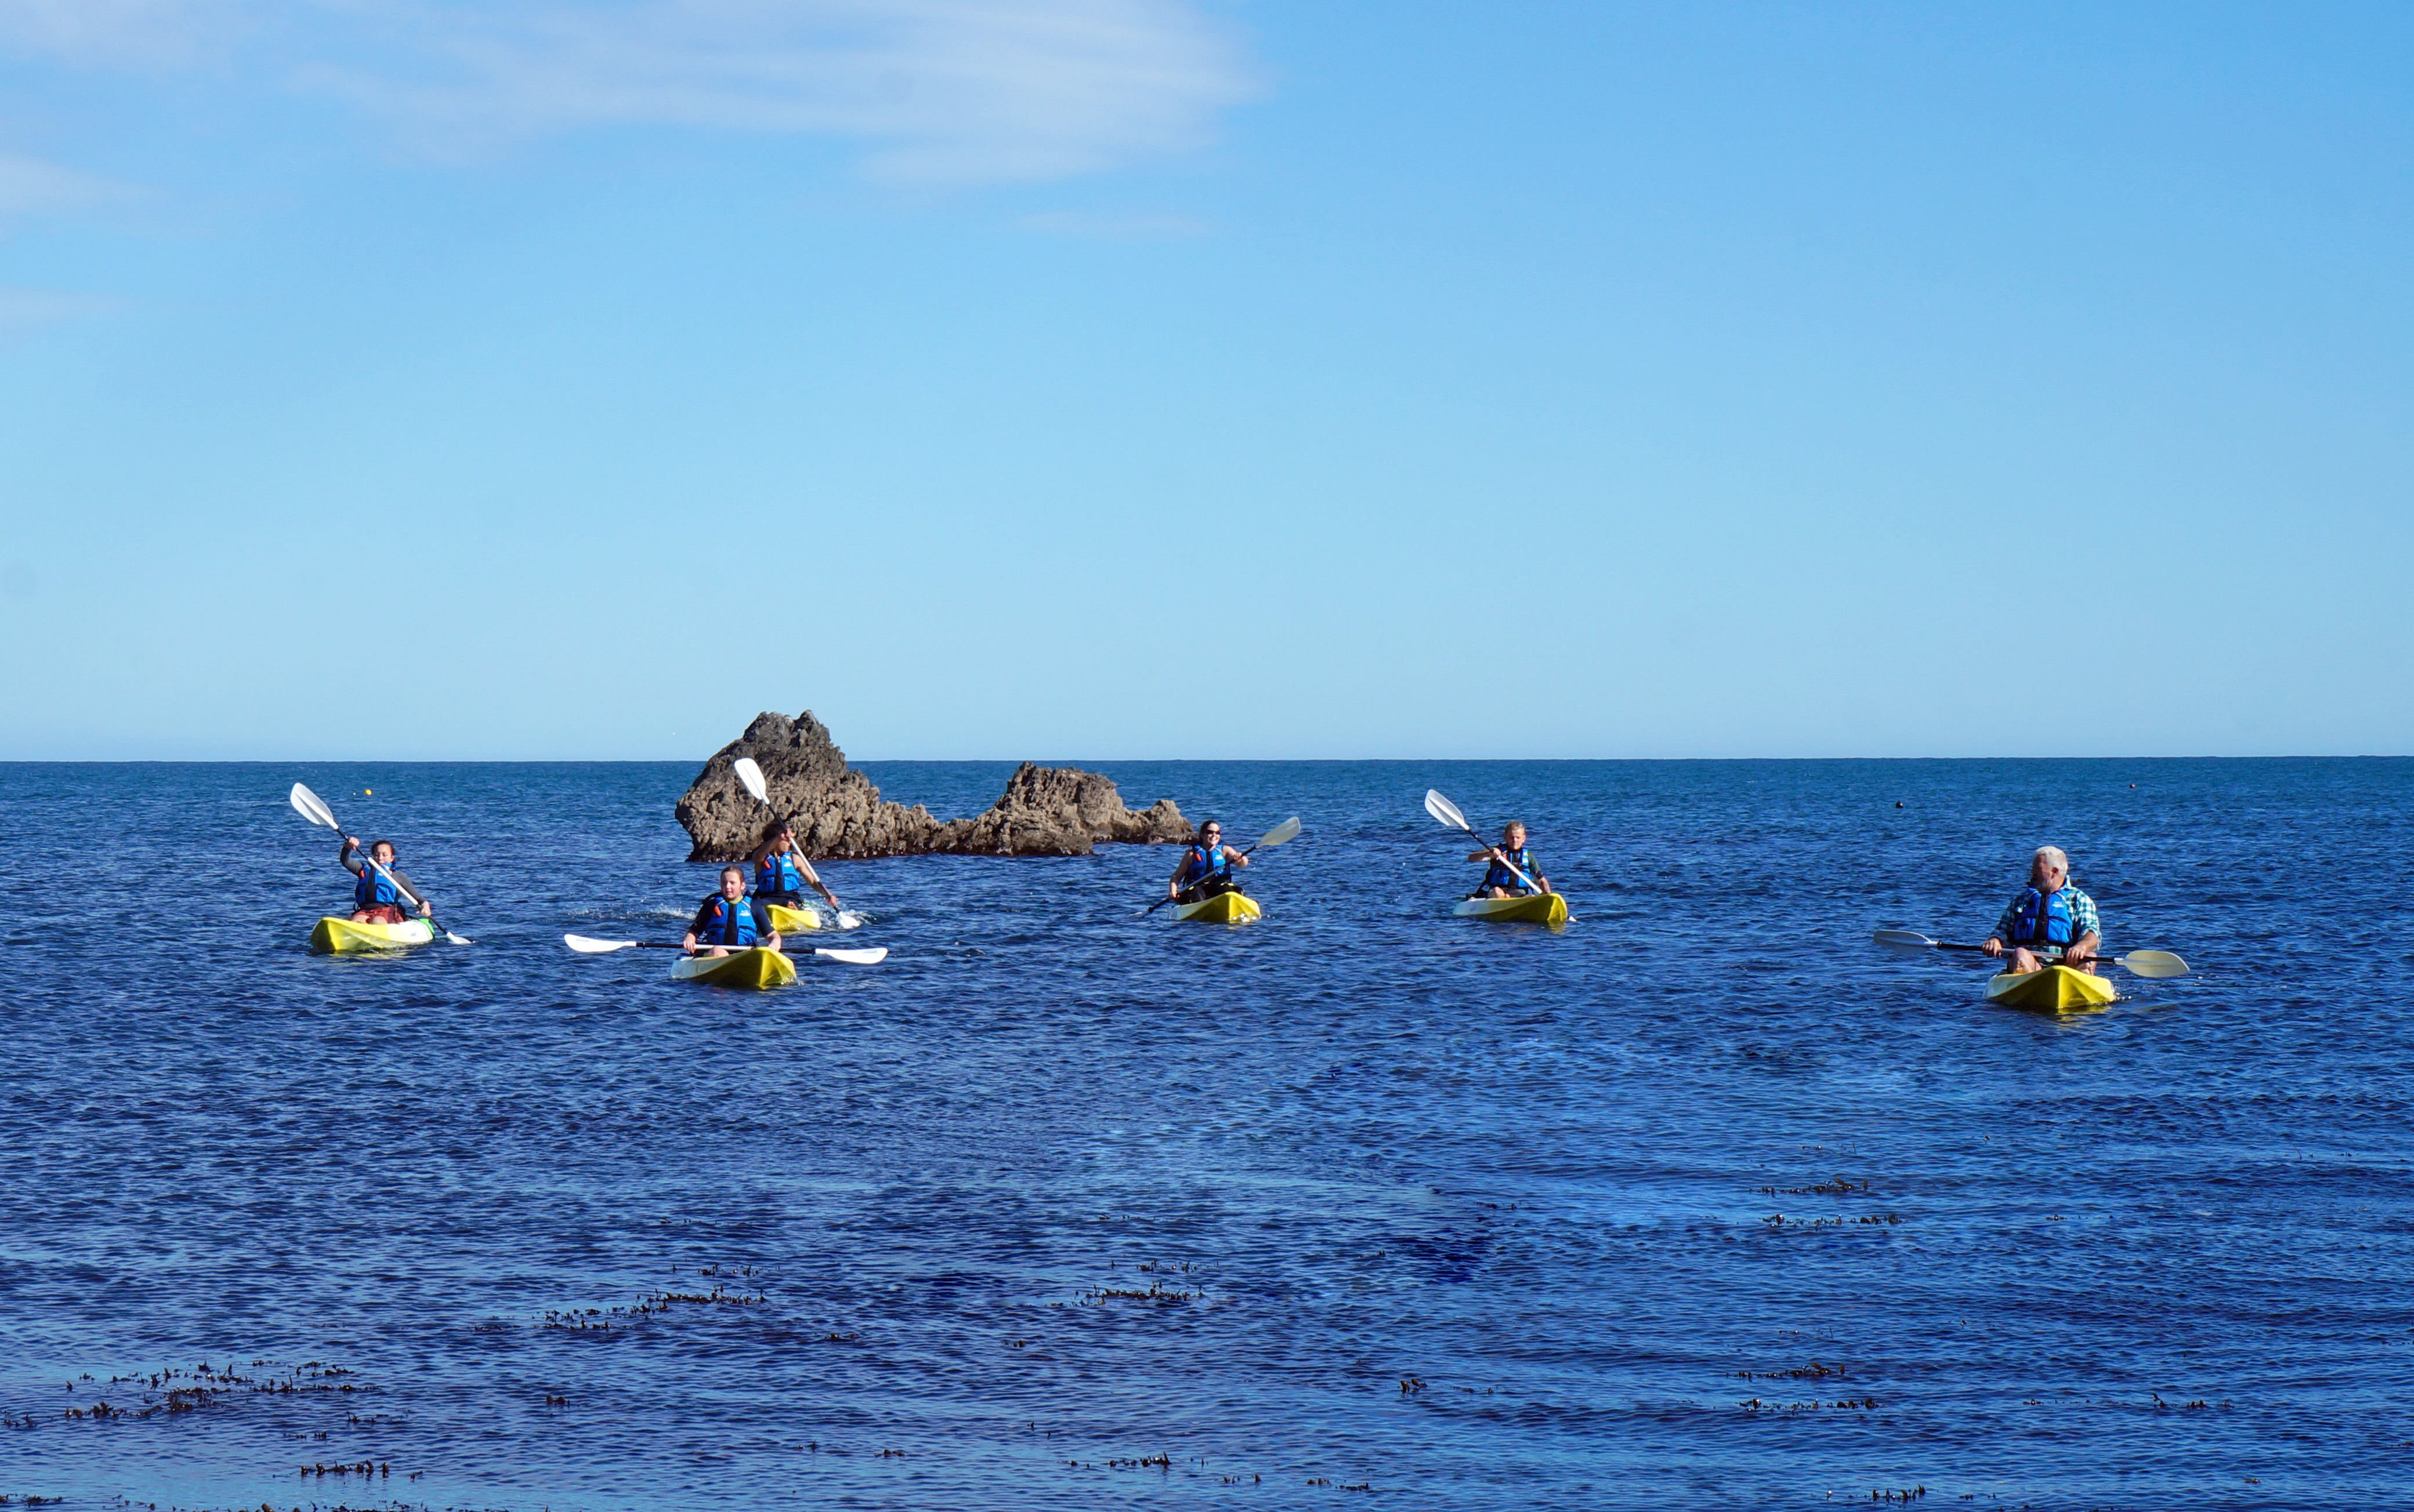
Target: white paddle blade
(307, 804)
(452, 938)
(1903, 940)
(593, 947)
(751, 776)
(2156, 963)
(849, 919)
(1287, 830)
(855, 958)
(1447, 811)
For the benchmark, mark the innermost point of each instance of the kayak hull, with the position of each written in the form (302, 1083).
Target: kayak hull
(2055, 989)
(1224, 907)
(750, 971)
(342, 936)
(1535, 908)
(788, 921)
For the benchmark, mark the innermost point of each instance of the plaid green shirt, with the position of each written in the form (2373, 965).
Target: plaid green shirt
(2083, 914)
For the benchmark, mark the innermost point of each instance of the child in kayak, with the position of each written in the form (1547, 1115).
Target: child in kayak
(2046, 917)
(782, 873)
(729, 920)
(377, 896)
(1206, 867)
(1498, 880)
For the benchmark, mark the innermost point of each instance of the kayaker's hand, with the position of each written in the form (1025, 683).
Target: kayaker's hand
(2079, 953)
(1993, 946)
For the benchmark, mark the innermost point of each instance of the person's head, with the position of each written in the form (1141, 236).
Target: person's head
(783, 836)
(1513, 834)
(733, 882)
(2048, 868)
(1211, 832)
(383, 851)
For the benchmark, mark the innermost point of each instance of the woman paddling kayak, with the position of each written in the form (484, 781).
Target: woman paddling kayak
(782, 873)
(1206, 867)
(379, 891)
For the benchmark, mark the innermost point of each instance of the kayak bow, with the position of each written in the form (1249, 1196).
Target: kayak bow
(2054, 988)
(1224, 907)
(1534, 908)
(753, 969)
(342, 936)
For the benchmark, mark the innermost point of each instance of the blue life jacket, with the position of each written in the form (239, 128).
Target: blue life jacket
(371, 889)
(2042, 919)
(1498, 875)
(728, 924)
(1205, 863)
(780, 873)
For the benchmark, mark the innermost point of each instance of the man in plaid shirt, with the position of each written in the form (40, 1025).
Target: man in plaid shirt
(2046, 914)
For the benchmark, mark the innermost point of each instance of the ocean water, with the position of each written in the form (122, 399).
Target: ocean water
(1697, 1203)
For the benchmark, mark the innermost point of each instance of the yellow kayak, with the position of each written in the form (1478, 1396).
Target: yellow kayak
(788, 921)
(1224, 907)
(2054, 988)
(1534, 908)
(342, 936)
(753, 969)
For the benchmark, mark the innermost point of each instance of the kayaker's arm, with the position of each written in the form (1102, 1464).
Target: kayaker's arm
(2083, 948)
(1490, 852)
(695, 926)
(813, 880)
(409, 891)
(344, 856)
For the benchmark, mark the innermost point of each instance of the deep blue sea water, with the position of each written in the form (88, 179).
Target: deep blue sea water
(1698, 1203)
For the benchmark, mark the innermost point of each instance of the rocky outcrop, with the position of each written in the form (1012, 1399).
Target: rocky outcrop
(1060, 810)
(1046, 811)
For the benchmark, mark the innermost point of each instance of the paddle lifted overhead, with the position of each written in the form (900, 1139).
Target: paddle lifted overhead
(2049, 918)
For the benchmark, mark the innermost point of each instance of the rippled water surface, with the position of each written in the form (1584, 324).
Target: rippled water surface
(1696, 1203)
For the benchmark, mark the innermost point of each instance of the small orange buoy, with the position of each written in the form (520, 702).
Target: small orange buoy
(365, 792)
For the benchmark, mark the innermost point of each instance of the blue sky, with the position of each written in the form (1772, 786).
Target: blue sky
(407, 378)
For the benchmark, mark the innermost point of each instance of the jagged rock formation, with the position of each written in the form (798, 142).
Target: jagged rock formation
(1046, 811)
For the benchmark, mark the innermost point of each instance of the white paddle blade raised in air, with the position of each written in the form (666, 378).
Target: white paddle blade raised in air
(307, 804)
(872, 956)
(1286, 831)
(1447, 811)
(595, 948)
(1903, 940)
(2156, 963)
(750, 775)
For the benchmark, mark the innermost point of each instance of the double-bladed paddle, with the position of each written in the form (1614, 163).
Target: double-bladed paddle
(2152, 963)
(750, 775)
(585, 946)
(312, 808)
(1286, 831)
(1447, 811)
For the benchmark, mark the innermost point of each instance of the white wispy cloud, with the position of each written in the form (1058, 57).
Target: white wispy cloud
(1112, 226)
(948, 91)
(21, 308)
(29, 187)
